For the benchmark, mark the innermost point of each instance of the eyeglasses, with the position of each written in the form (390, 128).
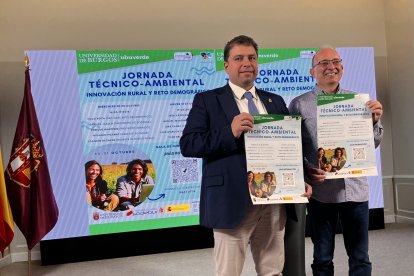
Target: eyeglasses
(325, 62)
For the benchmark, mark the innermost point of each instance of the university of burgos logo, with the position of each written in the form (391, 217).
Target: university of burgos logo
(205, 55)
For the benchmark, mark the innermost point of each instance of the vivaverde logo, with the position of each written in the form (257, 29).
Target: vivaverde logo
(333, 98)
(271, 55)
(265, 118)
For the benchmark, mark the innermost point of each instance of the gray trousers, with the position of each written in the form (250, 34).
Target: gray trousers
(264, 227)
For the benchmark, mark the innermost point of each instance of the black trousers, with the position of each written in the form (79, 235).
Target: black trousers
(295, 243)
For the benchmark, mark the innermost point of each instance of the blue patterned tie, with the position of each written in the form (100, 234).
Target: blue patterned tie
(250, 103)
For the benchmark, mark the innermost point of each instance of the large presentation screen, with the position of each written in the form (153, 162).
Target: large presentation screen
(112, 118)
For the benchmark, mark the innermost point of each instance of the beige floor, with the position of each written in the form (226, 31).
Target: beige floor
(391, 252)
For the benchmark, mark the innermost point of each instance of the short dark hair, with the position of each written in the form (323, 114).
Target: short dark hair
(239, 40)
(139, 162)
(94, 162)
(268, 174)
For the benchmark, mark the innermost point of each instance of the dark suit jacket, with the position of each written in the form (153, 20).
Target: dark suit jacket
(208, 135)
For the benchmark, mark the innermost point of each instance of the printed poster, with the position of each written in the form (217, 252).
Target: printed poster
(274, 160)
(345, 136)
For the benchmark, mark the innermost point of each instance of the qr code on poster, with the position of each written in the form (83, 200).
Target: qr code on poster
(184, 170)
(288, 179)
(359, 153)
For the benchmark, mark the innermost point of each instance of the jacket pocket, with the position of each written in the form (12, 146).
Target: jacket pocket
(212, 181)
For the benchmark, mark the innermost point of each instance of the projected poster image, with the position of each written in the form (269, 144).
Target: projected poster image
(133, 107)
(133, 197)
(123, 105)
(115, 186)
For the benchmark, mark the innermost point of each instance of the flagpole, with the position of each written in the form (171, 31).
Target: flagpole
(26, 61)
(29, 263)
(29, 255)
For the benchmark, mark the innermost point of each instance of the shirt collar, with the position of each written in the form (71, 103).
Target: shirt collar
(239, 92)
(320, 91)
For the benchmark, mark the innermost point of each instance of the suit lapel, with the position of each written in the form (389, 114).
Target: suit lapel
(228, 103)
(267, 102)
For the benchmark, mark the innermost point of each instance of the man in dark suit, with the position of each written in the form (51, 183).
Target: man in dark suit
(214, 132)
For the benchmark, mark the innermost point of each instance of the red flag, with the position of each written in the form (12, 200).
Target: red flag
(28, 184)
(6, 218)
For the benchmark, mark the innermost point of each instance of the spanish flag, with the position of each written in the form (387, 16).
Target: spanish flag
(6, 218)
